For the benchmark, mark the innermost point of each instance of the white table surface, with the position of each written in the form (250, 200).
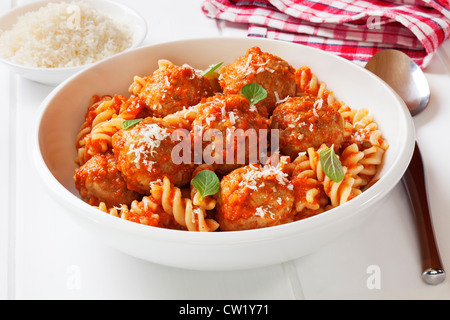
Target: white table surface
(45, 255)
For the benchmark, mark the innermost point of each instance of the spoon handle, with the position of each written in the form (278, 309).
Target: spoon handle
(414, 183)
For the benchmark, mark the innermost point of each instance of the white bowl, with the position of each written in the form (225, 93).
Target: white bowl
(62, 113)
(54, 76)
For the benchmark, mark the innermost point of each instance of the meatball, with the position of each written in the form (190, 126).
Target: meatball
(270, 71)
(144, 155)
(254, 197)
(172, 88)
(230, 134)
(305, 122)
(99, 180)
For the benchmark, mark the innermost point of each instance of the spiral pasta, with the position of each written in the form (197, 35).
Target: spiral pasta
(185, 213)
(366, 128)
(308, 188)
(369, 139)
(358, 125)
(99, 139)
(341, 192)
(103, 119)
(308, 83)
(100, 109)
(352, 158)
(140, 82)
(182, 119)
(309, 171)
(338, 192)
(146, 212)
(359, 168)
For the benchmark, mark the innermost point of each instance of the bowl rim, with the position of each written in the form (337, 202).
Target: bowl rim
(32, 6)
(378, 191)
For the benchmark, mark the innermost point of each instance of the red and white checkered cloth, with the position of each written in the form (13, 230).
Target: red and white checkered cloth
(355, 30)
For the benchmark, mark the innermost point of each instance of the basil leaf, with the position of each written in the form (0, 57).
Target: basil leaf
(254, 92)
(211, 69)
(127, 124)
(331, 165)
(206, 182)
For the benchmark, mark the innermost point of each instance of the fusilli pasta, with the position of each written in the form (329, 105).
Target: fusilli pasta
(308, 187)
(100, 109)
(185, 213)
(308, 83)
(310, 178)
(99, 139)
(143, 212)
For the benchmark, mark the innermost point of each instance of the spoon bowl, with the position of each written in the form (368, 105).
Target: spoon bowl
(406, 78)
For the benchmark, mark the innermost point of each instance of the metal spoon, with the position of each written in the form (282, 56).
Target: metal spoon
(408, 80)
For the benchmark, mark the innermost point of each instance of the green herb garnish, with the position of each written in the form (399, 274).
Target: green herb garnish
(211, 69)
(206, 182)
(331, 165)
(254, 92)
(127, 124)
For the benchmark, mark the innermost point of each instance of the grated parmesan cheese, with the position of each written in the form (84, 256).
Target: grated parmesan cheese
(64, 34)
(247, 64)
(154, 183)
(260, 212)
(318, 104)
(315, 112)
(267, 172)
(150, 138)
(232, 117)
(278, 99)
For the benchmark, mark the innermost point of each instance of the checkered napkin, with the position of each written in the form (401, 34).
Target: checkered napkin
(355, 30)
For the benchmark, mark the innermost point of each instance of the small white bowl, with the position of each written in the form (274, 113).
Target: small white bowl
(54, 76)
(62, 113)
